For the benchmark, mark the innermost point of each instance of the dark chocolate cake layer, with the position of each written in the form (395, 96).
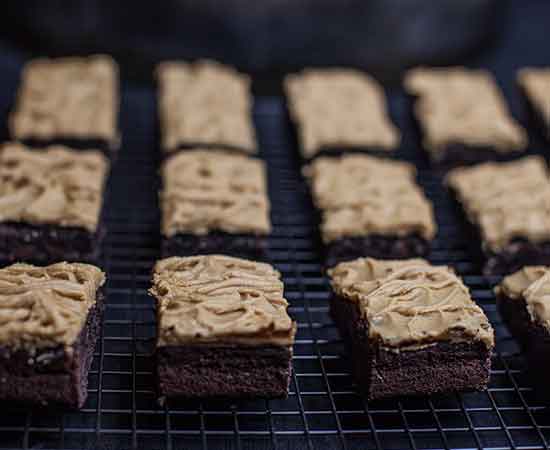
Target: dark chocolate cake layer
(48, 243)
(109, 149)
(216, 242)
(375, 246)
(224, 370)
(52, 376)
(381, 372)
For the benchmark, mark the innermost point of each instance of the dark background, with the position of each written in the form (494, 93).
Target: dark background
(272, 36)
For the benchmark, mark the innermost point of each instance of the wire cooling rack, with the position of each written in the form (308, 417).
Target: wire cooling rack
(323, 410)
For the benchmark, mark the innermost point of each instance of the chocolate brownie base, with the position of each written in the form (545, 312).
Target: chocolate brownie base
(187, 146)
(52, 376)
(239, 245)
(48, 243)
(533, 338)
(515, 255)
(456, 154)
(343, 150)
(375, 246)
(197, 371)
(109, 149)
(382, 372)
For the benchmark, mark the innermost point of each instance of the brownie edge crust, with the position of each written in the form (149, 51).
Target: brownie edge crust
(198, 371)
(382, 373)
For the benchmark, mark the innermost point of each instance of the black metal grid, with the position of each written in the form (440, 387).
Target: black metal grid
(323, 410)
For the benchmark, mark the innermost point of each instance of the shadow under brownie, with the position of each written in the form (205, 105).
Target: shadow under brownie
(412, 328)
(71, 101)
(369, 206)
(507, 205)
(214, 201)
(51, 203)
(223, 329)
(45, 361)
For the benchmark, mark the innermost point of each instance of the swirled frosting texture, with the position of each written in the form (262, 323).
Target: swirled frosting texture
(205, 103)
(411, 302)
(506, 200)
(339, 107)
(461, 106)
(218, 298)
(55, 186)
(207, 190)
(359, 195)
(532, 285)
(67, 97)
(535, 82)
(43, 307)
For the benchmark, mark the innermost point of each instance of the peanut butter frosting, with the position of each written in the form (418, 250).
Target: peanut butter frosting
(410, 302)
(359, 195)
(55, 186)
(206, 190)
(505, 200)
(214, 298)
(67, 97)
(48, 306)
(462, 106)
(535, 82)
(205, 103)
(531, 284)
(339, 107)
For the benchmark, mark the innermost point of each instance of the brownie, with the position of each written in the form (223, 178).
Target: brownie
(214, 201)
(507, 204)
(522, 301)
(205, 104)
(50, 320)
(51, 203)
(223, 328)
(370, 206)
(336, 109)
(463, 116)
(411, 328)
(68, 101)
(534, 83)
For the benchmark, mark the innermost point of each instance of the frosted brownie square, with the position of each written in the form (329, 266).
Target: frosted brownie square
(69, 101)
(204, 104)
(412, 328)
(370, 206)
(51, 203)
(338, 110)
(522, 300)
(50, 320)
(463, 116)
(214, 201)
(534, 82)
(223, 328)
(508, 203)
